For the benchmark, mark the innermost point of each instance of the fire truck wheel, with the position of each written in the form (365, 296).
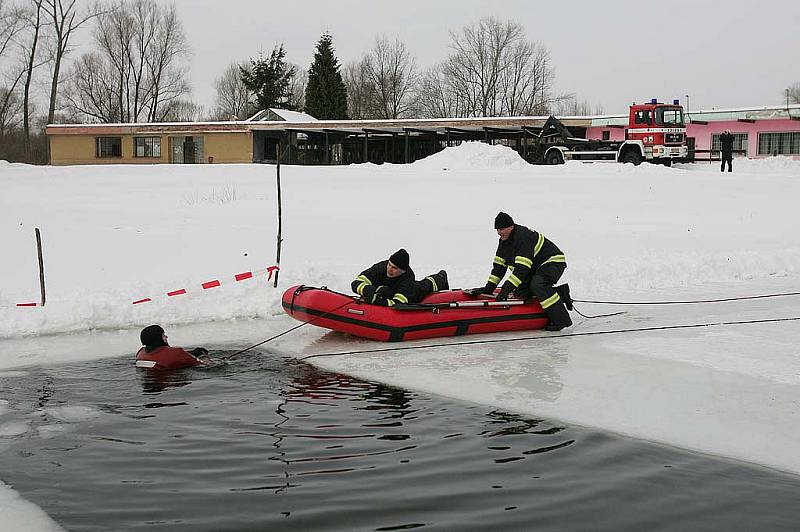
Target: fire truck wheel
(632, 156)
(555, 157)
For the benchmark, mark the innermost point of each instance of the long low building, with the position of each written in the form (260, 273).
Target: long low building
(300, 139)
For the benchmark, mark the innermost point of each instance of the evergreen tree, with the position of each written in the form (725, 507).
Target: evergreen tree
(326, 95)
(270, 80)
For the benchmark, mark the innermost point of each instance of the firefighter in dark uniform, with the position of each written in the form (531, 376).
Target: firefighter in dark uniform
(726, 149)
(535, 265)
(392, 281)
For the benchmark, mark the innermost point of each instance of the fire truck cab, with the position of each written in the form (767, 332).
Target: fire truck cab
(656, 133)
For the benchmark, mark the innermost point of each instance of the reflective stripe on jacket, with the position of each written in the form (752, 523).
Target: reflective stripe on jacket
(521, 255)
(400, 288)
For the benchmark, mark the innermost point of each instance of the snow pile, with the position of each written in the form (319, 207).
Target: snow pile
(473, 156)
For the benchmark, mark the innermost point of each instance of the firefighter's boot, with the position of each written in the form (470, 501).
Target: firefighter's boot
(558, 315)
(563, 293)
(435, 282)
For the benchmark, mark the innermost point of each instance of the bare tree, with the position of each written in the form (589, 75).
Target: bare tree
(65, 20)
(167, 74)
(391, 72)
(138, 71)
(793, 93)
(297, 87)
(359, 94)
(35, 26)
(435, 95)
(233, 100)
(93, 90)
(494, 70)
(12, 22)
(182, 111)
(570, 105)
(10, 111)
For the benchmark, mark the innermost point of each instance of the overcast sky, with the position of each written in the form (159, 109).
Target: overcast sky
(723, 53)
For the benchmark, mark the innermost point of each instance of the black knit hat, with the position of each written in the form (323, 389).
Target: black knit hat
(502, 220)
(400, 259)
(151, 336)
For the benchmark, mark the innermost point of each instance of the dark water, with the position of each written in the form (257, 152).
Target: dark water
(268, 444)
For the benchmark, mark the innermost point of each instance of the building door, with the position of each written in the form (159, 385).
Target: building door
(271, 149)
(189, 152)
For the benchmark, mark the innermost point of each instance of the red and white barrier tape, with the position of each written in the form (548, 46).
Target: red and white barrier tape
(214, 283)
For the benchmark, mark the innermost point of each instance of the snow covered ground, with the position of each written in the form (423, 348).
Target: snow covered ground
(116, 234)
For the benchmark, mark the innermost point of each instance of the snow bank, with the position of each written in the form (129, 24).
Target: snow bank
(765, 165)
(116, 234)
(473, 156)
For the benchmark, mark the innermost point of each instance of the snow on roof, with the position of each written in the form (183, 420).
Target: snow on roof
(282, 115)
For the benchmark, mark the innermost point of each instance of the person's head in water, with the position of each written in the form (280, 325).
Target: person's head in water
(153, 337)
(398, 263)
(504, 224)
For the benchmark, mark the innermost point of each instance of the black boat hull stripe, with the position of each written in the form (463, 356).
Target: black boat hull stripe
(397, 333)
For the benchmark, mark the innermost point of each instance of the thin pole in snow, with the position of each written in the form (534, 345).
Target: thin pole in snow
(41, 265)
(278, 177)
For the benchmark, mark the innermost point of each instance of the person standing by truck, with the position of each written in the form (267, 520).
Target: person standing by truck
(726, 149)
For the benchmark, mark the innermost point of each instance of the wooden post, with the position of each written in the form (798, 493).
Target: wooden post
(407, 154)
(41, 266)
(525, 144)
(278, 178)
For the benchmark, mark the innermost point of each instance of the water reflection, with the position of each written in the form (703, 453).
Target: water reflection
(533, 373)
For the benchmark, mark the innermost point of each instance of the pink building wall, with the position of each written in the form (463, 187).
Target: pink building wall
(703, 132)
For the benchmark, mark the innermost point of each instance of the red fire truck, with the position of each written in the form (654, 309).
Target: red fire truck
(656, 133)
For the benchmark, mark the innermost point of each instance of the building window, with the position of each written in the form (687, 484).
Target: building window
(147, 147)
(783, 143)
(606, 135)
(739, 142)
(108, 147)
(643, 117)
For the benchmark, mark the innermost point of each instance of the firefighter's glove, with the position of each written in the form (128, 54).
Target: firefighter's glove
(504, 293)
(368, 293)
(385, 291)
(199, 352)
(488, 289)
(378, 299)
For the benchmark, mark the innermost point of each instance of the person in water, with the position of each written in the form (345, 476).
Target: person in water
(156, 353)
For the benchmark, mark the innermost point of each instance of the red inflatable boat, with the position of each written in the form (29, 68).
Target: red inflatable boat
(448, 313)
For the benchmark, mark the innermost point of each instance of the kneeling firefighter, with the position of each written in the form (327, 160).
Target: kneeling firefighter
(535, 265)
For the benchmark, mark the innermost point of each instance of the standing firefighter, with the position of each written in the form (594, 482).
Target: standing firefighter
(535, 265)
(390, 282)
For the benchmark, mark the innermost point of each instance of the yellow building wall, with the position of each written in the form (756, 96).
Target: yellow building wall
(229, 147)
(236, 147)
